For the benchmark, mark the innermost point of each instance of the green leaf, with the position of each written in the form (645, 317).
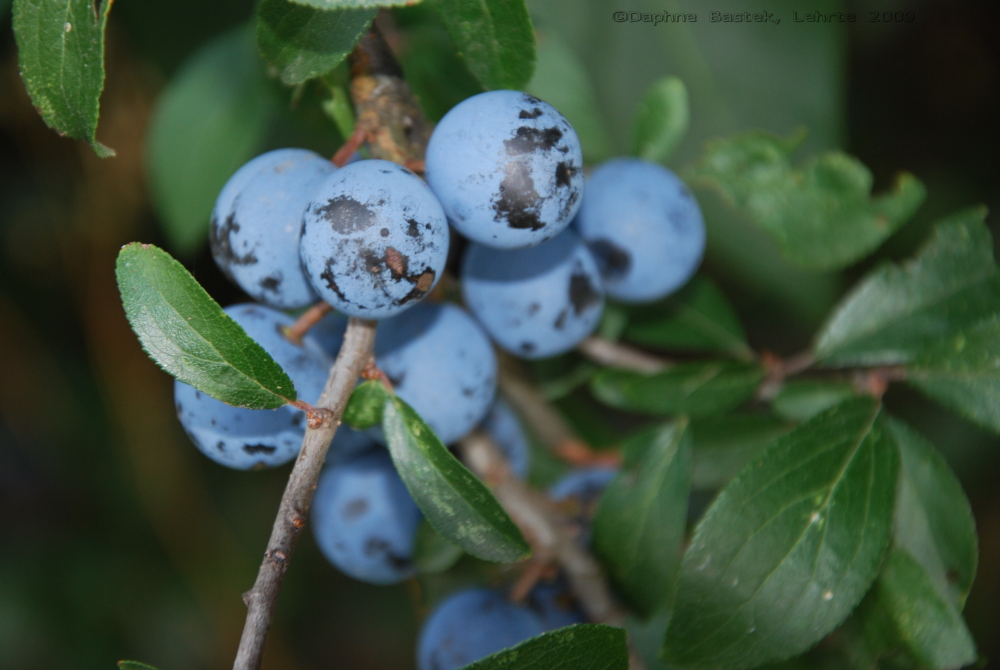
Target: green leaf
(802, 399)
(354, 4)
(900, 310)
(453, 500)
(698, 318)
(303, 42)
(364, 408)
(963, 372)
(661, 120)
(642, 516)
(789, 548)
(934, 522)
(134, 665)
(494, 37)
(431, 552)
(823, 215)
(60, 50)
(209, 121)
(189, 336)
(928, 627)
(561, 80)
(578, 647)
(723, 445)
(696, 389)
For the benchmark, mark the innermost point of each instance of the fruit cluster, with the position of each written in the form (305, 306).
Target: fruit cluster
(505, 170)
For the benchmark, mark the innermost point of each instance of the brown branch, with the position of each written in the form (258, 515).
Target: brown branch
(262, 598)
(309, 318)
(615, 354)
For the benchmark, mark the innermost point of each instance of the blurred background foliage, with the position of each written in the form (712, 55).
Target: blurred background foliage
(118, 540)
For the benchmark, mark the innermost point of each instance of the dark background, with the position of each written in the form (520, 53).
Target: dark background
(118, 540)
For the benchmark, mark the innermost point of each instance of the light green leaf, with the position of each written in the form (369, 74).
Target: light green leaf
(579, 647)
(642, 516)
(790, 546)
(900, 310)
(364, 407)
(431, 552)
(561, 80)
(698, 318)
(209, 121)
(934, 522)
(354, 4)
(922, 621)
(134, 665)
(189, 336)
(303, 42)
(60, 50)
(962, 371)
(723, 445)
(453, 500)
(803, 399)
(661, 120)
(495, 39)
(823, 215)
(695, 389)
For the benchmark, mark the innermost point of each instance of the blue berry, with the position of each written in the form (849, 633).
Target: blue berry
(555, 605)
(584, 485)
(644, 227)
(507, 168)
(504, 427)
(374, 239)
(470, 625)
(243, 438)
(441, 363)
(535, 302)
(257, 222)
(364, 519)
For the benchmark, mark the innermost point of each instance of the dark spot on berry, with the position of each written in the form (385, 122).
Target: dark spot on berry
(613, 261)
(413, 229)
(355, 508)
(386, 171)
(385, 232)
(528, 140)
(518, 200)
(376, 545)
(561, 319)
(532, 114)
(220, 239)
(582, 293)
(271, 283)
(422, 283)
(533, 308)
(527, 347)
(220, 445)
(327, 276)
(347, 215)
(396, 262)
(468, 393)
(564, 174)
(258, 449)
(530, 99)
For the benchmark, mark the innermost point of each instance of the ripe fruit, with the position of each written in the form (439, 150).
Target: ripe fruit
(583, 485)
(374, 239)
(507, 168)
(535, 302)
(257, 222)
(243, 438)
(440, 362)
(504, 427)
(644, 227)
(364, 520)
(472, 624)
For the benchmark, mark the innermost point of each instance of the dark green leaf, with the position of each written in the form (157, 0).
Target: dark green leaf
(209, 121)
(724, 445)
(698, 318)
(899, 311)
(189, 336)
(963, 372)
(60, 50)
(303, 42)
(561, 80)
(822, 215)
(926, 625)
(803, 399)
(354, 4)
(453, 500)
(934, 521)
(494, 37)
(579, 647)
(788, 549)
(696, 389)
(642, 516)
(431, 552)
(661, 120)
(364, 408)
(134, 665)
